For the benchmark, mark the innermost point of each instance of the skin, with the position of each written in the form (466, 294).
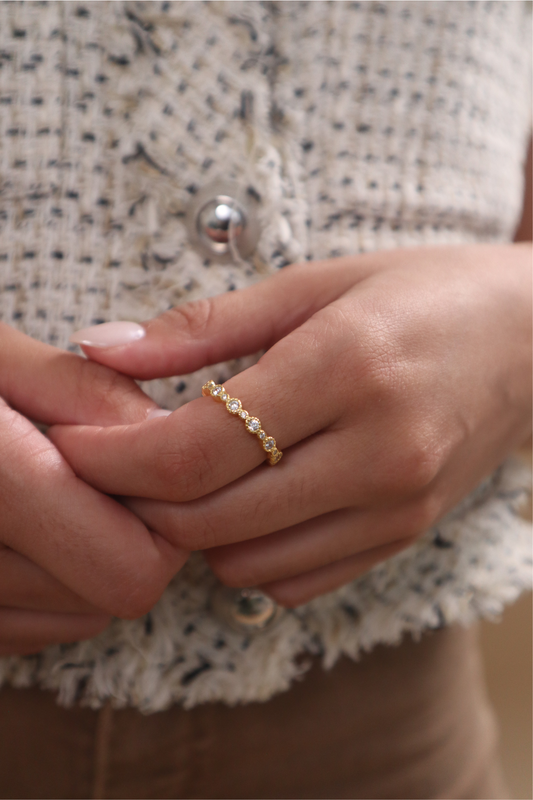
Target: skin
(61, 575)
(393, 382)
(69, 556)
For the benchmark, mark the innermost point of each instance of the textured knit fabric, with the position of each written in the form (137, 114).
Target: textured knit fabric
(354, 127)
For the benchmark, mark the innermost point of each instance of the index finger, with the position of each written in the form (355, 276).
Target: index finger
(201, 447)
(49, 385)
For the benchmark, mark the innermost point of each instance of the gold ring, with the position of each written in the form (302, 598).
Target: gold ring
(252, 424)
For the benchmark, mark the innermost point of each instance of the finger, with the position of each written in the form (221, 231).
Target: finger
(49, 385)
(292, 592)
(234, 324)
(201, 447)
(87, 541)
(310, 484)
(311, 545)
(263, 501)
(24, 585)
(25, 632)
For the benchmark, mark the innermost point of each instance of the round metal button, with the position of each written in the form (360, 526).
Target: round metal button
(221, 222)
(246, 610)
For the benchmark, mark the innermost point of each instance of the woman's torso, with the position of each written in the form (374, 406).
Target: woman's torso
(349, 127)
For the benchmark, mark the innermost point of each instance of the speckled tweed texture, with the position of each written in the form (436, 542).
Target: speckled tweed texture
(357, 127)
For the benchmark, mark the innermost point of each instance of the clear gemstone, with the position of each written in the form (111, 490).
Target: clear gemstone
(216, 391)
(243, 414)
(233, 406)
(224, 396)
(269, 443)
(262, 435)
(253, 424)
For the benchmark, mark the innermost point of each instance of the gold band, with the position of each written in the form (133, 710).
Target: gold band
(252, 424)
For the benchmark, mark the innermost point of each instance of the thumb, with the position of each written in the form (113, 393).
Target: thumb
(209, 331)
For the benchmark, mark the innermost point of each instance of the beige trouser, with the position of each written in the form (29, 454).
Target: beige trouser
(405, 722)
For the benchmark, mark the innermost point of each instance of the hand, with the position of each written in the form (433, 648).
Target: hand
(69, 556)
(394, 383)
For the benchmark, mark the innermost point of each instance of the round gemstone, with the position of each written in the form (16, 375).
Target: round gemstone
(262, 435)
(269, 443)
(253, 424)
(243, 414)
(233, 405)
(216, 391)
(224, 396)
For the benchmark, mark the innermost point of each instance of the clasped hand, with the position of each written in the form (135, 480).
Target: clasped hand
(393, 382)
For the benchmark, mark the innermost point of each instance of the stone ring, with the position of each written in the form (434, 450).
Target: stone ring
(252, 424)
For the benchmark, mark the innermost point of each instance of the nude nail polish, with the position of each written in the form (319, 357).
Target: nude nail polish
(158, 412)
(109, 334)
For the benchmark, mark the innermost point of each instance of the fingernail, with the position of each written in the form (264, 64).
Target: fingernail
(109, 334)
(158, 412)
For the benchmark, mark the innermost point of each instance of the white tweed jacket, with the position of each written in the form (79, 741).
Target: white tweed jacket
(355, 126)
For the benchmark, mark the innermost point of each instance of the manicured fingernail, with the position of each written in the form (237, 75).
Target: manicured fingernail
(109, 334)
(158, 412)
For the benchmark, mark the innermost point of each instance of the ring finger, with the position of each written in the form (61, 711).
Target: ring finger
(200, 448)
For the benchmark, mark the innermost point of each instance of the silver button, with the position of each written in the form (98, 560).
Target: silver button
(221, 222)
(246, 610)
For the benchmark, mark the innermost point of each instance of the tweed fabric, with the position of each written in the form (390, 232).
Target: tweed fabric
(355, 127)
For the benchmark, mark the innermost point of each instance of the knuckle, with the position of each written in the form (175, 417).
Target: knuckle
(415, 463)
(134, 600)
(194, 318)
(107, 389)
(190, 526)
(257, 516)
(202, 534)
(327, 340)
(362, 346)
(134, 585)
(173, 473)
(379, 371)
(183, 469)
